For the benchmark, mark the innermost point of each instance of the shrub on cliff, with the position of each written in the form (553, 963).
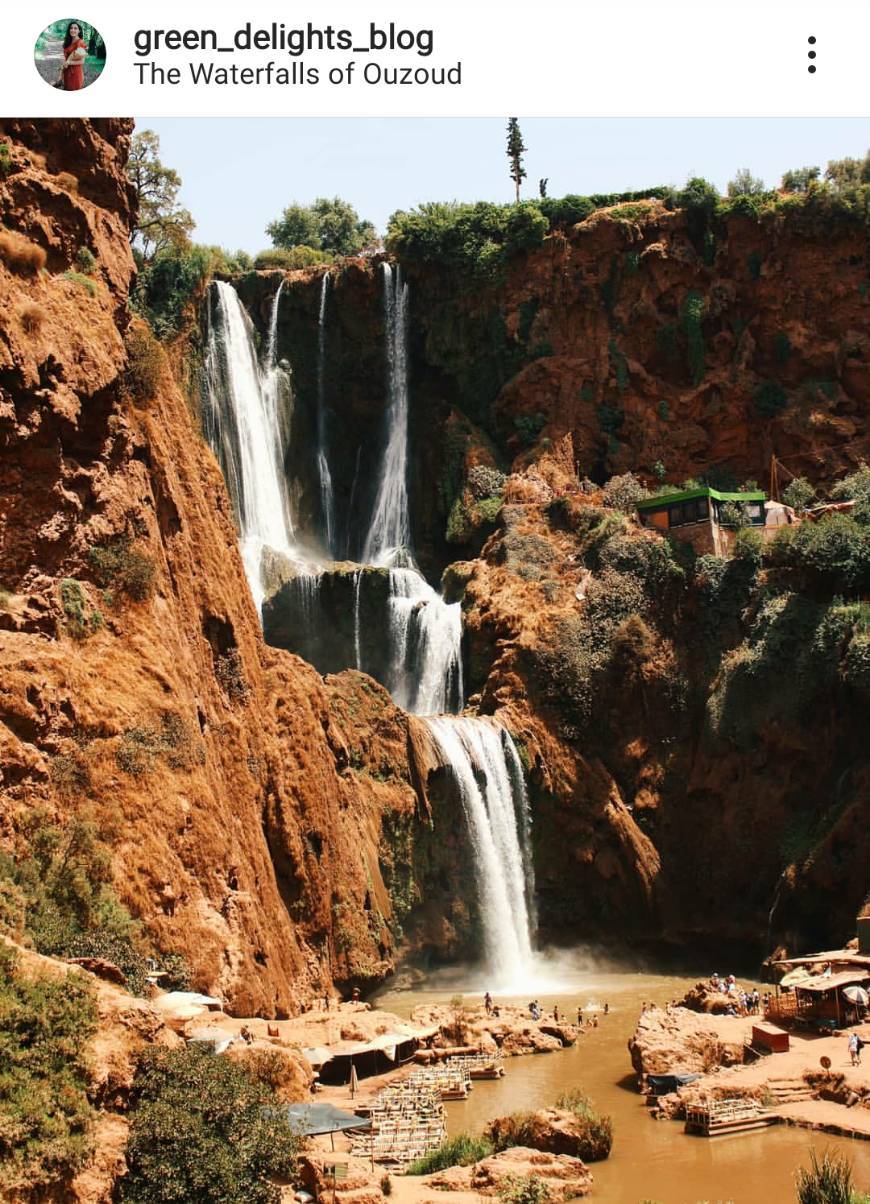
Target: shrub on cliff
(461, 1150)
(624, 492)
(289, 258)
(597, 1128)
(58, 896)
(476, 238)
(145, 363)
(169, 284)
(45, 1117)
(798, 494)
(202, 1130)
(121, 568)
(31, 317)
(20, 254)
(826, 557)
(856, 486)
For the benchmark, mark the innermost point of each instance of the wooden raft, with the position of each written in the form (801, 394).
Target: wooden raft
(719, 1117)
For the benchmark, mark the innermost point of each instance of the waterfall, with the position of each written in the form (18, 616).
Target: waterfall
(327, 502)
(245, 427)
(424, 637)
(495, 806)
(418, 645)
(389, 535)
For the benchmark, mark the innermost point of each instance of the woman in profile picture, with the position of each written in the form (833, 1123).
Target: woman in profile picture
(74, 53)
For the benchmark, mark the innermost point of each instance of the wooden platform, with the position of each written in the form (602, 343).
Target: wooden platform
(722, 1117)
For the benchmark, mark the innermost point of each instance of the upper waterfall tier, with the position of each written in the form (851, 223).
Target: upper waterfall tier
(247, 414)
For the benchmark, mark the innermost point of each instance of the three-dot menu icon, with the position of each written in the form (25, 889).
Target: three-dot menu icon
(811, 55)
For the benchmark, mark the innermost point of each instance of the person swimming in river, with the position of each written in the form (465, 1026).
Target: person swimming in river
(74, 54)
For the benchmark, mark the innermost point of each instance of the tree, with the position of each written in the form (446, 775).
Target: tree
(846, 174)
(202, 1130)
(515, 151)
(798, 494)
(161, 223)
(328, 225)
(800, 179)
(745, 184)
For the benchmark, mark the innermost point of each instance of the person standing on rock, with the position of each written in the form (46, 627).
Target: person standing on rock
(555, 1013)
(580, 1017)
(487, 1003)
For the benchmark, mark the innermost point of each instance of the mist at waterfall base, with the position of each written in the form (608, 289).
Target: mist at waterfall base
(248, 422)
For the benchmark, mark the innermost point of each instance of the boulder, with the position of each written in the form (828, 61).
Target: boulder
(566, 1178)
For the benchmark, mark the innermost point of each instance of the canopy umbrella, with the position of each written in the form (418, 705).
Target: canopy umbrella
(857, 995)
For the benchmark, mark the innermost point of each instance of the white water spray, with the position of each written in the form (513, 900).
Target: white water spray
(245, 429)
(495, 806)
(389, 536)
(324, 477)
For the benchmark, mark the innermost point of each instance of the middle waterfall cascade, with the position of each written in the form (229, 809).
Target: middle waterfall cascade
(324, 477)
(422, 667)
(246, 429)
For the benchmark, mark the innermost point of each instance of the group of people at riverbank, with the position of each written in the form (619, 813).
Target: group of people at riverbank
(536, 1012)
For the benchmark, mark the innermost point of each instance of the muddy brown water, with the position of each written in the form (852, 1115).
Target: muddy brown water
(651, 1160)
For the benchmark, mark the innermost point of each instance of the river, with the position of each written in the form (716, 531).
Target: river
(651, 1160)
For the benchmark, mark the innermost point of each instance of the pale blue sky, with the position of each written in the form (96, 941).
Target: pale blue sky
(239, 173)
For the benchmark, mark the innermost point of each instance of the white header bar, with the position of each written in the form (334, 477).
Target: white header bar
(447, 58)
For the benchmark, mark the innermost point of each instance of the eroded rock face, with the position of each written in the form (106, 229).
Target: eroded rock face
(676, 1040)
(245, 794)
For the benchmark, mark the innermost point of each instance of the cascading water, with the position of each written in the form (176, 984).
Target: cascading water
(495, 806)
(324, 477)
(424, 665)
(389, 534)
(245, 426)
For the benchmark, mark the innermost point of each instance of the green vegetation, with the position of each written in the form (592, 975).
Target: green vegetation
(80, 620)
(327, 225)
(82, 281)
(5, 160)
(56, 894)
(168, 739)
(528, 427)
(745, 184)
(45, 1116)
(162, 224)
(597, 1140)
(831, 556)
(86, 261)
(524, 1189)
(203, 1130)
(693, 316)
(288, 259)
(461, 1150)
(145, 363)
(516, 148)
(122, 569)
(477, 238)
(171, 282)
(800, 179)
(856, 486)
(624, 492)
(798, 494)
(827, 1181)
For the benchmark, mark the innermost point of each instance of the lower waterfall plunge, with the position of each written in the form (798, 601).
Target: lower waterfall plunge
(383, 618)
(481, 756)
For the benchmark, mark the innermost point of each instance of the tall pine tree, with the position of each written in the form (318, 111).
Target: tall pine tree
(515, 150)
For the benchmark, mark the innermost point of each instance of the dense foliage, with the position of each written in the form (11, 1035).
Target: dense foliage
(331, 225)
(204, 1132)
(45, 1116)
(461, 1150)
(169, 283)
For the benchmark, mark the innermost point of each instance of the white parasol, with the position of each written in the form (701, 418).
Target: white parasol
(857, 995)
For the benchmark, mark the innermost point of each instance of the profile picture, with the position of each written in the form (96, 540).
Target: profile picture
(70, 54)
